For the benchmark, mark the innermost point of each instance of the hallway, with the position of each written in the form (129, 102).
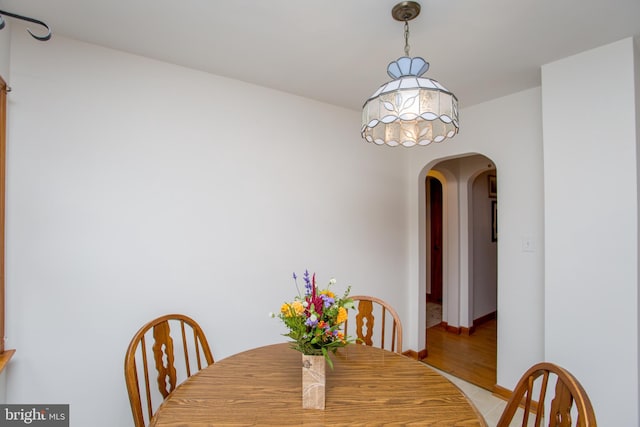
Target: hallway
(471, 358)
(466, 184)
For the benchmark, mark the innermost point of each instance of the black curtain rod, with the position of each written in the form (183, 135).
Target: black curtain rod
(25, 18)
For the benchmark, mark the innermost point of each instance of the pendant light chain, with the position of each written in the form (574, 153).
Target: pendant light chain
(406, 39)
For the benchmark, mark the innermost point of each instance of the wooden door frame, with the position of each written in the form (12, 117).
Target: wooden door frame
(5, 355)
(3, 156)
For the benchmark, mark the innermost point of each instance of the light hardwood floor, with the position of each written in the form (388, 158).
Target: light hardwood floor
(470, 363)
(471, 358)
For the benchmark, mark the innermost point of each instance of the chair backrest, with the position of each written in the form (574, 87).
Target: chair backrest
(570, 406)
(387, 329)
(172, 362)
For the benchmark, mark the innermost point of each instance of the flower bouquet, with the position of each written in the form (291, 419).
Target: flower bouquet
(315, 318)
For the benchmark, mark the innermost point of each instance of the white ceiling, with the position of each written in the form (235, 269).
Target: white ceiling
(337, 51)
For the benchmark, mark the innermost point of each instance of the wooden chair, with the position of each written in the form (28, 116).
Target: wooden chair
(172, 367)
(389, 327)
(569, 404)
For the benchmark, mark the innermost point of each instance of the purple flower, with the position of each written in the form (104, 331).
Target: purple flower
(307, 283)
(328, 301)
(311, 321)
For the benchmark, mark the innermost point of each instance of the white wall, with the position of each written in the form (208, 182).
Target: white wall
(5, 49)
(137, 188)
(485, 262)
(508, 131)
(452, 278)
(591, 218)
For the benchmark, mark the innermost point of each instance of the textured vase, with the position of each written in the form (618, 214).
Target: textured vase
(313, 381)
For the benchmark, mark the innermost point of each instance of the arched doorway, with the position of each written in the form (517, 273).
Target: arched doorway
(460, 266)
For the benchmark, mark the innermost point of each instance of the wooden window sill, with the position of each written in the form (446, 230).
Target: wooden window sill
(5, 357)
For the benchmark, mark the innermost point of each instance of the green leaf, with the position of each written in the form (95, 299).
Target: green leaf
(325, 353)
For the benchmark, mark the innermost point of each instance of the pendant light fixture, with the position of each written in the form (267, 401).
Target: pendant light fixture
(409, 110)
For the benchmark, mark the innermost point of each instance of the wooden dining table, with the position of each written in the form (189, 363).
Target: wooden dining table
(367, 387)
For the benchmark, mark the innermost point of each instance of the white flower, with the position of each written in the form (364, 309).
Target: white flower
(305, 304)
(332, 281)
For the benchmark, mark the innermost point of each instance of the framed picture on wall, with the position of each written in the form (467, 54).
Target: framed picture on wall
(493, 186)
(494, 221)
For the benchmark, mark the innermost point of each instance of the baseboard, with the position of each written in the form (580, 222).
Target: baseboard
(451, 329)
(505, 394)
(484, 319)
(501, 392)
(458, 330)
(463, 330)
(416, 355)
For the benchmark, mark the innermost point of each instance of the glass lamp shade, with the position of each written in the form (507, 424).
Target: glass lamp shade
(410, 110)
